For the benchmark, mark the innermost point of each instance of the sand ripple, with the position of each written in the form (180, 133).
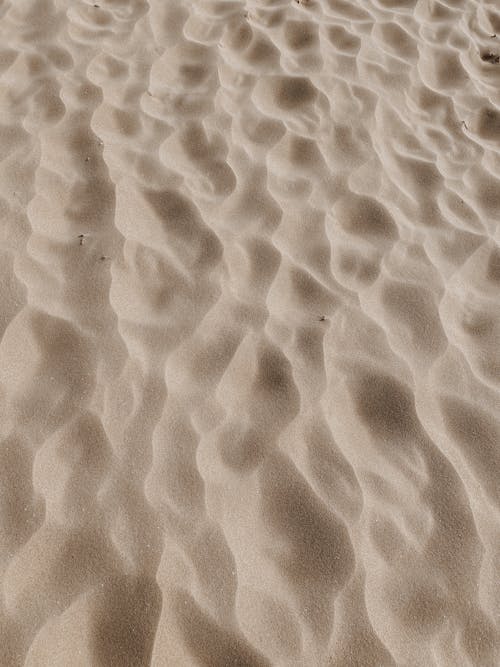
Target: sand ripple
(250, 333)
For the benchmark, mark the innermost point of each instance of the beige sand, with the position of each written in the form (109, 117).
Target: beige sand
(250, 318)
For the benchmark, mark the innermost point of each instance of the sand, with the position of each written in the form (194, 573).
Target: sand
(250, 333)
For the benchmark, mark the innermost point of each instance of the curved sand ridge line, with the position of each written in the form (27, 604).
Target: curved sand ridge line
(250, 331)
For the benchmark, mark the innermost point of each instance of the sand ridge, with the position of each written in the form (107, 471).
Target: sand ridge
(250, 333)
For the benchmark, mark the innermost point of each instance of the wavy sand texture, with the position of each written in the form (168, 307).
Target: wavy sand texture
(250, 320)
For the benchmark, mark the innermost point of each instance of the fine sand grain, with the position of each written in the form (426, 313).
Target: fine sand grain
(250, 333)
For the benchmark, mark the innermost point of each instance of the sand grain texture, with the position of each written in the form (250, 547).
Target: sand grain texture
(250, 333)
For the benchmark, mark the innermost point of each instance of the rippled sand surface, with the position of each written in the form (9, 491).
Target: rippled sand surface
(250, 333)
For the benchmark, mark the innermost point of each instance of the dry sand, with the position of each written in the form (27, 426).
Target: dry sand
(250, 319)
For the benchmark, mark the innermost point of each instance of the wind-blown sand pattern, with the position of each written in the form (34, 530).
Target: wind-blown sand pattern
(250, 319)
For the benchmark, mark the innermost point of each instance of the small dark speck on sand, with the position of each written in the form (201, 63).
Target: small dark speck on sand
(322, 318)
(82, 238)
(492, 58)
(103, 257)
(87, 159)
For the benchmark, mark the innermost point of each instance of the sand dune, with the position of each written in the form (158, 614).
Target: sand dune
(250, 333)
